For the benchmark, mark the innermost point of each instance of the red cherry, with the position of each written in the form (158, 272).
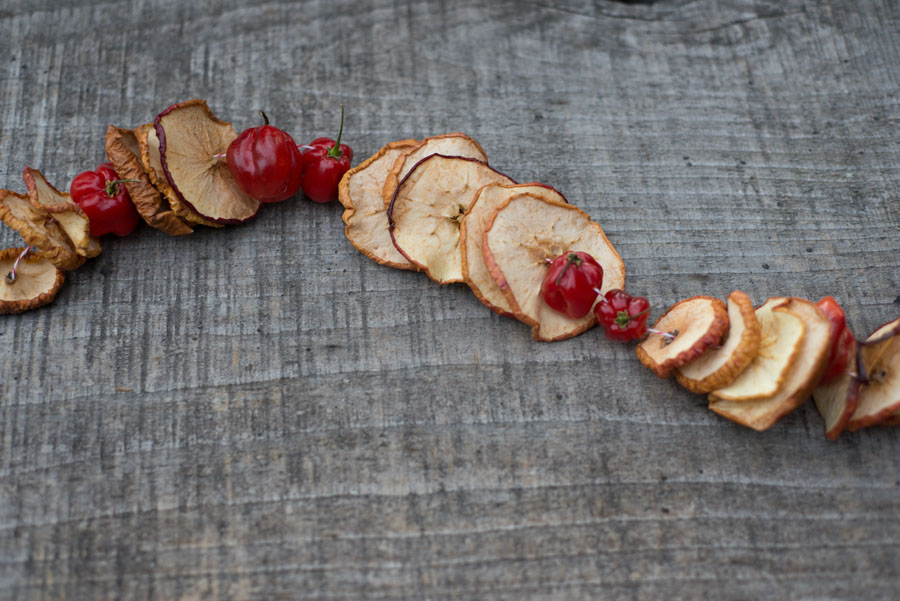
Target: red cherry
(265, 162)
(323, 164)
(571, 283)
(623, 316)
(102, 196)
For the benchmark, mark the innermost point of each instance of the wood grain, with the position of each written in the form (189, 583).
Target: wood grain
(263, 413)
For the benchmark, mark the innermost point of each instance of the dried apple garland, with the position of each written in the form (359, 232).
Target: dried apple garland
(436, 206)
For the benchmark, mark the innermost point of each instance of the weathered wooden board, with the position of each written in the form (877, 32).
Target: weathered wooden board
(261, 412)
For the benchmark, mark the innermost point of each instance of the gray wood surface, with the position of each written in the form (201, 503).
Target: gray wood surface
(260, 412)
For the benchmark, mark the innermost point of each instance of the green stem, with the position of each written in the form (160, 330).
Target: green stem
(623, 318)
(335, 151)
(572, 258)
(112, 186)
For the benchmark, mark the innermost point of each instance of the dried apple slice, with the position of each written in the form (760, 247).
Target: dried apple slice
(190, 137)
(424, 215)
(72, 220)
(525, 232)
(471, 232)
(696, 323)
(719, 367)
(837, 400)
(34, 284)
(365, 214)
(39, 230)
(124, 152)
(782, 337)
(878, 344)
(879, 393)
(149, 145)
(451, 145)
(805, 372)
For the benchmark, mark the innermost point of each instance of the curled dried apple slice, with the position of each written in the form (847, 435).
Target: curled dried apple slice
(33, 284)
(838, 400)
(424, 215)
(124, 152)
(190, 138)
(471, 232)
(879, 391)
(150, 159)
(780, 343)
(802, 377)
(365, 214)
(523, 235)
(72, 220)
(719, 367)
(881, 342)
(451, 145)
(693, 326)
(39, 230)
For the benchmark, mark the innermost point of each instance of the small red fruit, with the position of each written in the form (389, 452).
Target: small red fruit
(105, 200)
(571, 284)
(842, 340)
(624, 316)
(265, 162)
(322, 166)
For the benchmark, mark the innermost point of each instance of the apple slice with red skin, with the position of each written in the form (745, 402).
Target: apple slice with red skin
(807, 368)
(879, 364)
(720, 366)
(524, 235)
(471, 233)
(837, 400)
(365, 214)
(192, 147)
(456, 145)
(150, 160)
(424, 215)
(693, 325)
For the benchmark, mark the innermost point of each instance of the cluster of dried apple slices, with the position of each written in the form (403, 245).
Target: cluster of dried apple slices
(175, 174)
(868, 393)
(57, 233)
(758, 365)
(436, 206)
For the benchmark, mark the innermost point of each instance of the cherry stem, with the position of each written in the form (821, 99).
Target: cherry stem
(623, 318)
(335, 151)
(262, 114)
(572, 258)
(11, 276)
(112, 186)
